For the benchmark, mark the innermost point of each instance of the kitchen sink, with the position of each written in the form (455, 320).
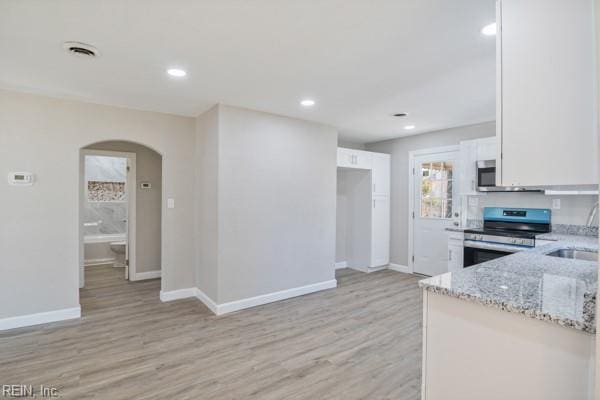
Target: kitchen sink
(575, 254)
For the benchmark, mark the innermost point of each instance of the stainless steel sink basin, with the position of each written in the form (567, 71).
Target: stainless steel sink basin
(575, 254)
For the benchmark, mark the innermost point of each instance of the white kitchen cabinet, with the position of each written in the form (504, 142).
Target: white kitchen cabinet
(468, 168)
(381, 174)
(486, 148)
(363, 226)
(455, 251)
(472, 151)
(380, 233)
(475, 352)
(350, 158)
(546, 105)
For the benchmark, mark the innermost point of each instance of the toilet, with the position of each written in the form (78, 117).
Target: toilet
(119, 248)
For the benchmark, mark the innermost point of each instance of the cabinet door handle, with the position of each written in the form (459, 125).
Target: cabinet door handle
(449, 255)
(374, 188)
(373, 203)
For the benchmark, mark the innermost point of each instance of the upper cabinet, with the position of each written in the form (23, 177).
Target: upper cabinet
(472, 151)
(381, 174)
(546, 103)
(350, 158)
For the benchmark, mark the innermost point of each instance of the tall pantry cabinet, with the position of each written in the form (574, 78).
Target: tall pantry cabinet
(363, 226)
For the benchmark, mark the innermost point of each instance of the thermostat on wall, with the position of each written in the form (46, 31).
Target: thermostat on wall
(145, 185)
(20, 178)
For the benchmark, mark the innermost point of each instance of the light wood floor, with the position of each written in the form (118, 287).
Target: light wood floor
(359, 341)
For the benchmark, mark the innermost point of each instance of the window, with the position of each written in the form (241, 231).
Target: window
(106, 177)
(436, 189)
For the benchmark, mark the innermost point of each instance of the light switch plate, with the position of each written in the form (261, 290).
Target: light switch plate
(170, 203)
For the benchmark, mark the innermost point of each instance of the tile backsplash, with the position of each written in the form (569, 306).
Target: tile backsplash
(574, 210)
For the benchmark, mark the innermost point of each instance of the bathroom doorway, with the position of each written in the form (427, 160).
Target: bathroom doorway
(120, 214)
(109, 211)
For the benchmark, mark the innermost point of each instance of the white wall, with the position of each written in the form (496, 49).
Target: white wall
(351, 145)
(148, 202)
(341, 228)
(206, 202)
(39, 234)
(277, 185)
(275, 208)
(399, 149)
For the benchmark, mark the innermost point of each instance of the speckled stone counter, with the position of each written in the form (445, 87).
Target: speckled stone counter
(559, 290)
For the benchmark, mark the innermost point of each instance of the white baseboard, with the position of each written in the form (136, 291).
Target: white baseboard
(368, 270)
(208, 302)
(140, 276)
(341, 264)
(177, 294)
(40, 318)
(220, 309)
(98, 261)
(400, 268)
(275, 296)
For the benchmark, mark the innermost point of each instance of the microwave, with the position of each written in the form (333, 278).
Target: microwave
(486, 179)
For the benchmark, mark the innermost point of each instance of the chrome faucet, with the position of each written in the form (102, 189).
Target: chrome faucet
(592, 214)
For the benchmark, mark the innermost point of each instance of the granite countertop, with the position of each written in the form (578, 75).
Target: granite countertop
(559, 290)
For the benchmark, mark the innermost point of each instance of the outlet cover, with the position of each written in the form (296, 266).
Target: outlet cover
(556, 204)
(473, 201)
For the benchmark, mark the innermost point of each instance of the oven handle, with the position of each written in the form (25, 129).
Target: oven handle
(489, 246)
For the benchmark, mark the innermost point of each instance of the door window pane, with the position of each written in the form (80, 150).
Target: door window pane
(436, 189)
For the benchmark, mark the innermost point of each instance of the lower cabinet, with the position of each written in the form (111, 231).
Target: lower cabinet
(455, 251)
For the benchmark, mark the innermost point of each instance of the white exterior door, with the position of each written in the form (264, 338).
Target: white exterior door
(435, 207)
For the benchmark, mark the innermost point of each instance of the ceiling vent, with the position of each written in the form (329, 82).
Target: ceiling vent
(81, 49)
(400, 115)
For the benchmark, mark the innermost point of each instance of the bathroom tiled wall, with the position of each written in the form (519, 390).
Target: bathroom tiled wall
(106, 203)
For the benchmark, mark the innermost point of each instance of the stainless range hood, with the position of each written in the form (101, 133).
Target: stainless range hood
(494, 189)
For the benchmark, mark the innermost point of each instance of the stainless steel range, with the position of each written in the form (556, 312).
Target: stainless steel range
(505, 231)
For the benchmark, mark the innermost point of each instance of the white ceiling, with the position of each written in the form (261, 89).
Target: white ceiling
(361, 60)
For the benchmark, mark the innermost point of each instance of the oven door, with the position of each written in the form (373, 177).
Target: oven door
(475, 255)
(486, 175)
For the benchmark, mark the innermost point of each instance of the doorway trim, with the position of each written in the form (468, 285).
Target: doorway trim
(411, 198)
(131, 188)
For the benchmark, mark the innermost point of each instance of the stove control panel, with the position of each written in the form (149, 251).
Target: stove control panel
(481, 237)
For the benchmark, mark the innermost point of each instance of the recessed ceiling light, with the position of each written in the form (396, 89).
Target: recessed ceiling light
(176, 72)
(307, 103)
(489, 30)
(409, 127)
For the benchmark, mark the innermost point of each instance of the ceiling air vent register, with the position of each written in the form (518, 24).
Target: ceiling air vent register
(80, 49)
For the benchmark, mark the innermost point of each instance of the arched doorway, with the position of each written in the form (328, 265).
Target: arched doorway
(120, 211)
